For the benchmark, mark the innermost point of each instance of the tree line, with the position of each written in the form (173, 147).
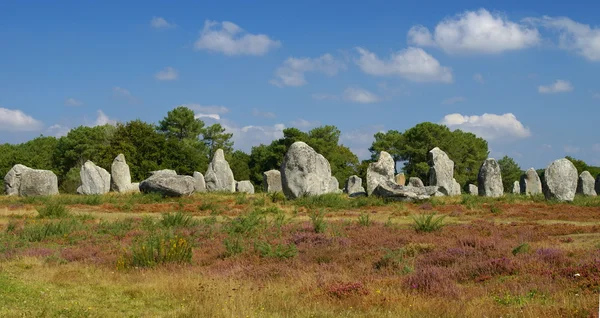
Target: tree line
(186, 144)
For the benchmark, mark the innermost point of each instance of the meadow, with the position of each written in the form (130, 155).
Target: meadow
(237, 255)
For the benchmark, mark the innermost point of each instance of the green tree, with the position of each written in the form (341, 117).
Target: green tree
(583, 166)
(181, 123)
(239, 164)
(511, 172)
(391, 141)
(215, 137)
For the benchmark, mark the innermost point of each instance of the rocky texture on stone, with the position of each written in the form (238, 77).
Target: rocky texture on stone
(586, 184)
(334, 185)
(219, 176)
(381, 171)
(516, 188)
(24, 181)
(304, 172)
(415, 182)
(120, 176)
(163, 172)
(441, 171)
(489, 180)
(272, 181)
(353, 187)
(473, 189)
(400, 179)
(560, 180)
(200, 185)
(168, 184)
(94, 179)
(455, 188)
(392, 191)
(531, 183)
(244, 186)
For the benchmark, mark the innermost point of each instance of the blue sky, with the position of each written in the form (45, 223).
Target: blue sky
(523, 76)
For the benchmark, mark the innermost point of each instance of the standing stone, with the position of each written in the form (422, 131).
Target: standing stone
(304, 172)
(455, 188)
(168, 185)
(400, 179)
(531, 183)
(200, 185)
(354, 186)
(473, 189)
(415, 182)
(334, 185)
(163, 172)
(516, 187)
(244, 186)
(120, 180)
(94, 179)
(219, 176)
(560, 180)
(490, 179)
(272, 181)
(380, 172)
(585, 184)
(442, 171)
(24, 181)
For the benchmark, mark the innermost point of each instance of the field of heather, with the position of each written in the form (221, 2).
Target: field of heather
(235, 255)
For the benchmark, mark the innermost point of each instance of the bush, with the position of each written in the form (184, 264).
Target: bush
(178, 219)
(245, 225)
(117, 228)
(522, 248)
(233, 246)
(40, 231)
(428, 222)
(161, 249)
(265, 249)
(364, 219)
(318, 221)
(53, 210)
(395, 260)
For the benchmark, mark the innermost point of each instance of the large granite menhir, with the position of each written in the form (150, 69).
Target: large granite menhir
(560, 180)
(218, 176)
(168, 184)
(489, 179)
(121, 176)
(380, 172)
(441, 172)
(94, 179)
(304, 172)
(24, 181)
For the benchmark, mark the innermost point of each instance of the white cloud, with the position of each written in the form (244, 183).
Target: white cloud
(488, 126)
(359, 95)
(160, 23)
(15, 120)
(213, 116)
(304, 124)
(258, 113)
(359, 140)
(58, 130)
(125, 94)
(325, 97)
(476, 32)
(73, 102)
(291, 73)
(559, 86)
(411, 63)
(577, 37)
(229, 39)
(103, 119)
(214, 109)
(453, 100)
(168, 74)
(478, 78)
(245, 137)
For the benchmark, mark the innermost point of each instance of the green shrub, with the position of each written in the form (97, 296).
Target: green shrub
(428, 222)
(318, 221)
(265, 249)
(178, 219)
(522, 248)
(161, 249)
(278, 197)
(233, 246)
(494, 209)
(53, 210)
(364, 219)
(241, 198)
(37, 232)
(395, 260)
(117, 228)
(245, 225)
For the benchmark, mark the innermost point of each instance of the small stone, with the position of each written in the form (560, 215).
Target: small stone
(586, 184)
(244, 186)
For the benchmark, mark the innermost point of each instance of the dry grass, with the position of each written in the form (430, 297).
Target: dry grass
(383, 268)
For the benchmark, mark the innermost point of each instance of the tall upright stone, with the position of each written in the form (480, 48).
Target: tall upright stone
(441, 171)
(121, 176)
(516, 188)
(586, 184)
(380, 172)
(304, 172)
(219, 176)
(560, 180)
(94, 179)
(531, 183)
(489, 179)
(353, 186)
(200, 185)
(415, 182)
(272, 181)
(400, 179)
(24, 181)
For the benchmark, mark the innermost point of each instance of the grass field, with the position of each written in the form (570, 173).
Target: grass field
(235, 255)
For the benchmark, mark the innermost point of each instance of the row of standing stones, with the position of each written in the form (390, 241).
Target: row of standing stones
(304, 172)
